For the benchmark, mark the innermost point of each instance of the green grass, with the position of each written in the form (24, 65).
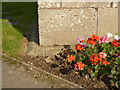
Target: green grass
(11, 40)
(25, 14)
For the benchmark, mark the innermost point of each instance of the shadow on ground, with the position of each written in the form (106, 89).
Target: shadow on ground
(22, 16)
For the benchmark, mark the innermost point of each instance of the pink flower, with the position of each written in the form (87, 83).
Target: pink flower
(80, 39)
(99, 42)
(103, 54)
(103, 39)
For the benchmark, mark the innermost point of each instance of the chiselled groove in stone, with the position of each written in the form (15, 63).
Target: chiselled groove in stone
(97, 21)
(70, 8)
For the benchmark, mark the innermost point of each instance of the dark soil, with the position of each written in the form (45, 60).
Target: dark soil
(59, 67)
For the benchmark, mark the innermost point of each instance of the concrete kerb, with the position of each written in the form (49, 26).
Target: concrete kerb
(35, 50)
(44, 72)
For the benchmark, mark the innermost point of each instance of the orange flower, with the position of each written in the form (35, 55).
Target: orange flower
(79, 66)
(79, 47)
(104, 62)
(94, 37)
(94, 58)
(69, 58)
(116, 43)
(90, 41)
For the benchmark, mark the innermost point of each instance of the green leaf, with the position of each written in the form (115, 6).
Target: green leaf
(119, 83)
(92, 74)
(66, 61)
(112, 80)
(113, 71)
(115, 62)
(104, 50)
(116, 84)
(84, 72)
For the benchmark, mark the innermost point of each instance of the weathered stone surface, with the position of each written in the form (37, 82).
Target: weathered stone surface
(36, 50)
(115, 4)
(101, 4)
(119, 18)
(49, 4)
(53, 50)
(64, 26)
(104, 4)
(71, 4)
(89, 4)
(107, 21)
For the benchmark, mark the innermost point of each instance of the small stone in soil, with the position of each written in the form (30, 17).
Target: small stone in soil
(94, 79)
(60, 74)
(48, 60)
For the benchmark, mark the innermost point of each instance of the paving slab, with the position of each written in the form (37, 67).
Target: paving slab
(14, 77)
(18, 74)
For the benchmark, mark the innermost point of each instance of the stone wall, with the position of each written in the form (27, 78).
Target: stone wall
(61, 23)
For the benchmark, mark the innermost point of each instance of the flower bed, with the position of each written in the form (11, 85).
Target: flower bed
(95, 63)
(97, 57)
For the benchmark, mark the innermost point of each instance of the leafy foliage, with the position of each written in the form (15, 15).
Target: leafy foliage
(97, 58)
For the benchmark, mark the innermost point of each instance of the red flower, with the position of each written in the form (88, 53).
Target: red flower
(79, 66)
(69, 58)
(104, 62)
(79, 47)
(94, 58)
(116, 43)
(90, 41)
(93, 39)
